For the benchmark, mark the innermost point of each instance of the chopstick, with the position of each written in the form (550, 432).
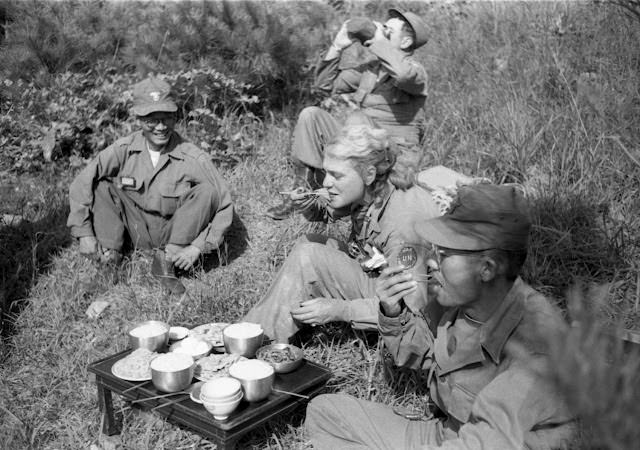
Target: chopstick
(135, 387)
(155, 397)
(170, 403)
(291, 393)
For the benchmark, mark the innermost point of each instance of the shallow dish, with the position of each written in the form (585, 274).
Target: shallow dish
(283, 357)
(210, 332)
(195, 392)
(177, 333)
(136, 366)
(215, 365)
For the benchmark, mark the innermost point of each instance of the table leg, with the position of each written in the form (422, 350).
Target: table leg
(105, 404)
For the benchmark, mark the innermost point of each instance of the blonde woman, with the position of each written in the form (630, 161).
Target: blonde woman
(324, 280)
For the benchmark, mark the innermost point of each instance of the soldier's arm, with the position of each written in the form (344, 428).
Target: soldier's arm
(409, 75)
(106, 164)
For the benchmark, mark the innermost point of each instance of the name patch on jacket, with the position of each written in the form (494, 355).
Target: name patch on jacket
(128, 182)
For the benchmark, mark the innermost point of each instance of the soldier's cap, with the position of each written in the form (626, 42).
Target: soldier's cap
(481, 217)
(416, 22)
(152, 95)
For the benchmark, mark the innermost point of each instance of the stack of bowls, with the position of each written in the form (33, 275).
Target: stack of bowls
(221, 396)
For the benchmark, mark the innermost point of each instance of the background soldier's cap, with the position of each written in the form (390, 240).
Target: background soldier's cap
(416, 22)
(152, 95)
(481, 217)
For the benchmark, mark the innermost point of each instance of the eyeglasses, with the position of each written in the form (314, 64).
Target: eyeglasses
(153, 122)
(443, 252)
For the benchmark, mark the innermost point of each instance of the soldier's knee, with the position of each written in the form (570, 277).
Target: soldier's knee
(309, 114)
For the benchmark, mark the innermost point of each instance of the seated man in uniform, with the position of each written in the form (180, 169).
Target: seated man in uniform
(388, 92)
(487, 365)
(151, 189)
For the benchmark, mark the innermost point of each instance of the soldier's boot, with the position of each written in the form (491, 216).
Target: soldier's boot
(304, 176)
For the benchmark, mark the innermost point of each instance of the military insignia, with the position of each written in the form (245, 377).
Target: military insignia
(155, 96)
(408, 257)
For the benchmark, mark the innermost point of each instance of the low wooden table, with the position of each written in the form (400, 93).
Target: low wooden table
(308, 380)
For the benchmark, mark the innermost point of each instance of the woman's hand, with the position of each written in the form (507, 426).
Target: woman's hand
(319, 311)
(393, 284)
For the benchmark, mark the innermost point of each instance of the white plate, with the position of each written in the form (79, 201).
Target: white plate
(178, 333)
(210, 332)
(195, 392)
(223, 361)
(116, 370)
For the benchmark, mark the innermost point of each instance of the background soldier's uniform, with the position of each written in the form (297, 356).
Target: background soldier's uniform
(390, 92)
(182, 201)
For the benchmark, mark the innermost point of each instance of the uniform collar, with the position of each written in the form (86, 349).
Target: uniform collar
(490, 336)
(375, 212)
(139, 144)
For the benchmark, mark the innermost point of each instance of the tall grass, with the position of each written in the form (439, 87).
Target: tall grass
(543, 94)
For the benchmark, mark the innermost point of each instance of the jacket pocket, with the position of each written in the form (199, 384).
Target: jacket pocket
(460, 403)
(171, 196)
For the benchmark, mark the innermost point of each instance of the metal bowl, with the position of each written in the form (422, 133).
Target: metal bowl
(256, 378)
(243, 339)
(151, 334)
(172, 372)
(283, 357)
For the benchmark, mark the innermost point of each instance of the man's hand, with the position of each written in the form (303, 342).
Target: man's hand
(182, 257)
(392, 285)
(88, 246)
(342, 39)
(320, 310)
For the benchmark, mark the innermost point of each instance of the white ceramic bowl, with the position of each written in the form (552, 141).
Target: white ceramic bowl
(221, 410)
(236, 396)
(220, 388)
(192, 346)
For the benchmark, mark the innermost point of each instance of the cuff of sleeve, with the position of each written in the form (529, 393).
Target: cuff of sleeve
(387, 322)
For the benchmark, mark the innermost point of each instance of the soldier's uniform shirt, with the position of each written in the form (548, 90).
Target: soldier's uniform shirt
(390, 91)
(322, 267)
(183, 180)
(488, 381)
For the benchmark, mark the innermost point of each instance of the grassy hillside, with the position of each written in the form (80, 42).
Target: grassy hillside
(543, 94)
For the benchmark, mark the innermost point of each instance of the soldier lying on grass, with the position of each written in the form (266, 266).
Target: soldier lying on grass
(362, 180)
(151, 189)
(486, 366)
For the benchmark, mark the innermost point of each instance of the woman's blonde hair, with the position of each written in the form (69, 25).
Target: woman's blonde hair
(367, 146)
